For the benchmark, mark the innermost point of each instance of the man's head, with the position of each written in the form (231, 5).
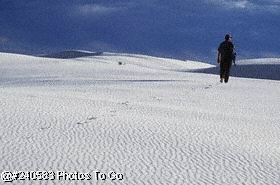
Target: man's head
(228, 37)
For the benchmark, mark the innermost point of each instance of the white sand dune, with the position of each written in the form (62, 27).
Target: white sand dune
(139, 116)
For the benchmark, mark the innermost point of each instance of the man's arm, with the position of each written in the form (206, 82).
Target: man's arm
(219, 58)
(234, 56)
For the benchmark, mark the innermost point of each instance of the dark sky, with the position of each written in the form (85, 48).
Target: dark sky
(183, 29)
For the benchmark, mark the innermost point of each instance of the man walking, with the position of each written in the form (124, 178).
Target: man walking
(225, 57)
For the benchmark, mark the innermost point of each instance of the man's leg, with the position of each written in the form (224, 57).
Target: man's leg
(222, 71)
(227, 70)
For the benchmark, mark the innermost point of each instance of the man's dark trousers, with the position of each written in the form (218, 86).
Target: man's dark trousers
(225, 66)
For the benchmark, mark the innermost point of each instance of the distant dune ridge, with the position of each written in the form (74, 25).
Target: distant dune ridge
(156, 121)
(255, 68)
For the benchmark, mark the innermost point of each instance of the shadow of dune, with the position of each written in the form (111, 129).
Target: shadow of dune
(53, 81)
(72, 54)
(260, 71)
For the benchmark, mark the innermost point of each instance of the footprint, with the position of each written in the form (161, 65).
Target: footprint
(157, 98)
(92, 118)
(44, 128)
(87, 120)
(31, 96)
(80, 123)
(125, 103)
(208, 87)
(28, 137)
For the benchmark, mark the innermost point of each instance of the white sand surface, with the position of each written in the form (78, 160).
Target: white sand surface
(144, 119)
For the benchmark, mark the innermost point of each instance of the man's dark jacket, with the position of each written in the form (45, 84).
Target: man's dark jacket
(226, 51)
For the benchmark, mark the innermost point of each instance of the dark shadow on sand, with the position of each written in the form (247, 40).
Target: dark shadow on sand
(54, 81)
(260, 71)
(72, 54)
